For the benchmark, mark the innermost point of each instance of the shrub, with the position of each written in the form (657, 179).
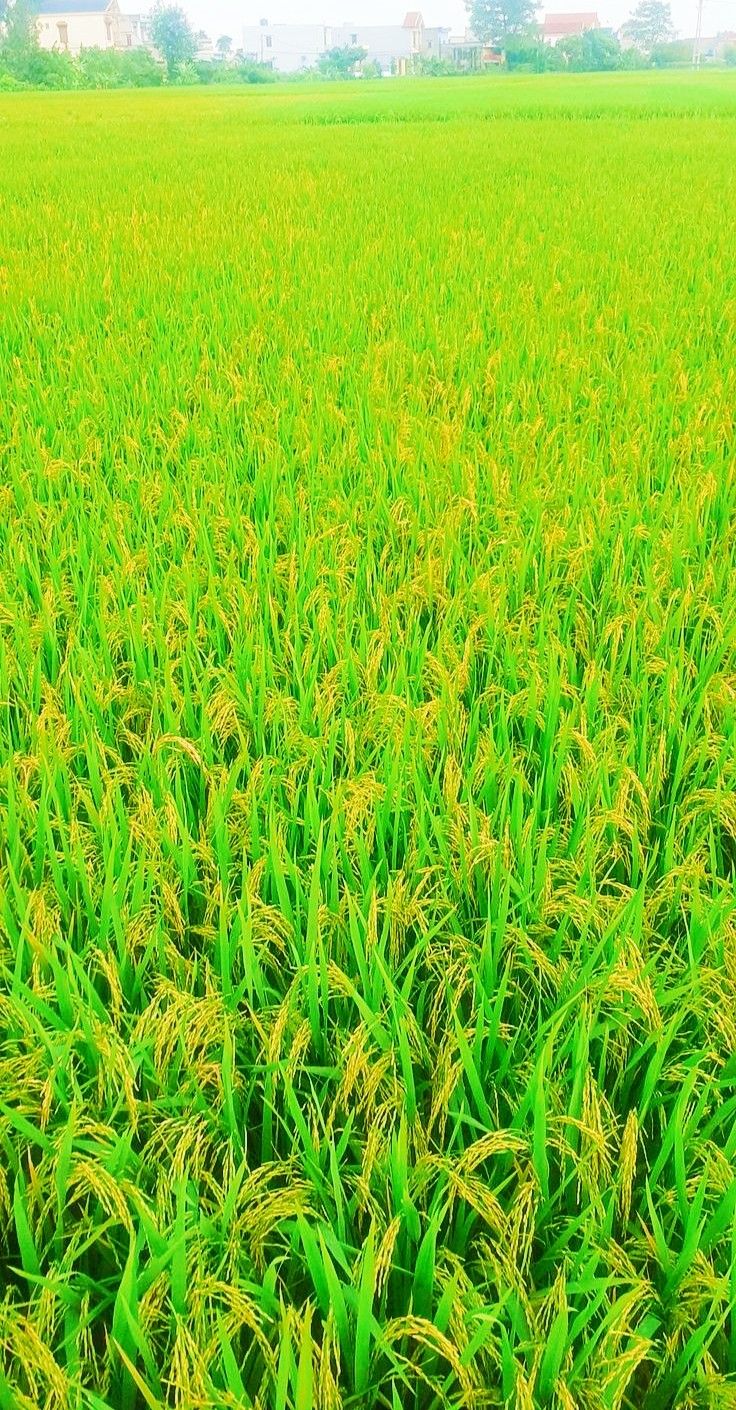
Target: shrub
(633, 58)
(341, 62)
(139, 69)
(595, 51)
(672, 54)
(40, 68)
(242, 71)
(185, 75)
(436, 68)
(526, 53)
(99, 68)
(104, 68)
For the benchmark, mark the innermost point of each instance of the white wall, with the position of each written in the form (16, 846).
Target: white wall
(286, 47)
(290, 47)
(108, 31)
(389, 45)
(83, 31)
(435, 42)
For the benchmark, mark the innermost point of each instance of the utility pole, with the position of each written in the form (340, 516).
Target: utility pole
(698, 36)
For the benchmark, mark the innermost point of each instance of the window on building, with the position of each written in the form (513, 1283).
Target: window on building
(63, 29)
(129, 41)
(269, 42)
(353, 39)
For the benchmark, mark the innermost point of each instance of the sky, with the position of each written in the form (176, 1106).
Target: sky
(228, 16)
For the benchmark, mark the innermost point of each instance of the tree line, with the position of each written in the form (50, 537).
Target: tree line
(507, 24)
(510, 25)
(24, 64)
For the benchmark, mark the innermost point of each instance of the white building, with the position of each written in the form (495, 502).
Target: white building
(205, 48)
(71, 25)
(286, 47)
(291, 47)
(391, 46)
(471, 55)
(435, 42)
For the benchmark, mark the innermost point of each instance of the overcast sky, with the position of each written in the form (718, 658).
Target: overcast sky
(228, 16)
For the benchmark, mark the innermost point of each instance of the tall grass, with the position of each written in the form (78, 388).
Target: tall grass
(367, 720)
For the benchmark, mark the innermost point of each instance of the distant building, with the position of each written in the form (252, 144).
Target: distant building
(205, 48)
(435, 42)
(557, 27)
(288, 48)
(470, 55)
(414, 21)
(687, 51)
(705, 48)
(429, 42)
(71, 25)
(391, 46)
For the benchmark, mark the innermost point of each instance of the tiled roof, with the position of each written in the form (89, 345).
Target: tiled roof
(570, 23)
(71, 7)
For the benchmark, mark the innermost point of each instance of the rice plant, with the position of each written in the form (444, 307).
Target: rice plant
(367, 747)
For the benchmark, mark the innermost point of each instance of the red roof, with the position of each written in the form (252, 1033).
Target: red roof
(570, 24)
(413, 20)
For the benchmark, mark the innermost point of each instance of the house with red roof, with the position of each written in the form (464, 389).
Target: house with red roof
(565, 26)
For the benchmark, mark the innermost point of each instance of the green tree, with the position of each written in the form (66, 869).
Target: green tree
(527, 52)
(224, 45)
(108, 68)
(429, 66)
(341, 63)
(20, 28)
(172, 36)
(633, 59)
(494, 20)
(594, 51)
(650, 24)
(677, 53)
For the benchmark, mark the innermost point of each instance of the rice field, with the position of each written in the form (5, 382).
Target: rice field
(368, 747)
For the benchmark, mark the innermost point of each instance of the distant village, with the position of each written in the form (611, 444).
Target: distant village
(71, 26)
